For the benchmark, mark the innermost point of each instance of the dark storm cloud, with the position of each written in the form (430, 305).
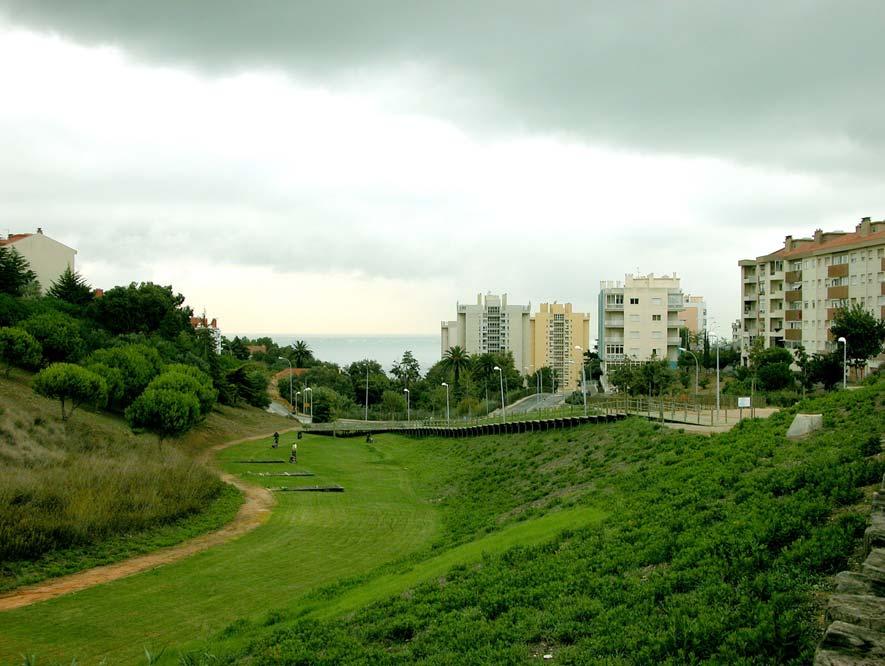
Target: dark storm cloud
(795, 84)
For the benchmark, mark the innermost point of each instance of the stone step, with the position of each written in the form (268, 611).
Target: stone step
(874, 567)
(851, 642)
(874, 535)
(862, 610)
(853, 582)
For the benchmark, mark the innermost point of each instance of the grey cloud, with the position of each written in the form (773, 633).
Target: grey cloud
(793, 83)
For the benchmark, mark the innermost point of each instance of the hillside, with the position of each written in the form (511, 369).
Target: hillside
(89, 491)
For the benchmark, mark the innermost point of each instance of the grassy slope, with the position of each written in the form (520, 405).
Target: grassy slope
(713, 549)
(37, 444)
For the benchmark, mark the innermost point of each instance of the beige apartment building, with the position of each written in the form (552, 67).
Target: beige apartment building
(555, 331)
(789, 297)
(694, 313)
(490, 325)
(47, 257)
(639, 319)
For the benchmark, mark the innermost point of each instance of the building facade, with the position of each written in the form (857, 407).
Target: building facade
(491, 325)
(47, 257)
(200, 323)
(639, 319)
(694, 313)
(789, 297)
(555, 332)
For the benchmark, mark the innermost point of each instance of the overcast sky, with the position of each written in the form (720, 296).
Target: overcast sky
(358, 167)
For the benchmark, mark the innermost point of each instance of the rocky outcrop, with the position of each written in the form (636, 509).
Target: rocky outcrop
(856, 613)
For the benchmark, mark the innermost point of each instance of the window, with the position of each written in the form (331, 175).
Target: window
(656, 317)
(656, 334)
(853, 257)
(634, 335)
(634, 318)
(634, 301)
(655, 301)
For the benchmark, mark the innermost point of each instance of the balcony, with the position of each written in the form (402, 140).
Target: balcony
(776, 294)
(882, 288)
(614, 306)
(793, 276)
(614, 323)
(776, 313)
(674, 341)
(749, 297)
(882, 264)
(793, 315)
(837, 270)
(793, 295)
(831, 313)
(837, 292)
(794, 334)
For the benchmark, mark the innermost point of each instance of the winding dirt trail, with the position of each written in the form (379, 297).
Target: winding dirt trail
(254, 511)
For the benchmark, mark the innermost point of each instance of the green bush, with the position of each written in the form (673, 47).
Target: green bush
(138, 363)
(188, 379)
(58, 334)
(164, 411)
(18, 348)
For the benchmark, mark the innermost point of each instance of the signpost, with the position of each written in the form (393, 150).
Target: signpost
(743, 402)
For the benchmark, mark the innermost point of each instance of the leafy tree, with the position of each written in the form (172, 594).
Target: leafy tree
(69, 382)
(865, 334)
(187, 379)
(143, 308)
(59, 335)
(592, 365)
(654, 377)
(113, 379)
(15, 272)
(826, 368)
(238, 349)
(301, 354)
(71, 287)
(407, 370)
(803, 360)
(772, 368)
(19, 348)
(249, 385)
(165, 411)
(378, 381)
(12, 310)
(393, 403)
(138, 363)
(326, 403)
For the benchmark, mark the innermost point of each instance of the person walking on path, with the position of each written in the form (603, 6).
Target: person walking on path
(276, 440)
(294, 457)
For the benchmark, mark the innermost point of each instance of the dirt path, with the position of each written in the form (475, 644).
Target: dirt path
(254, 511)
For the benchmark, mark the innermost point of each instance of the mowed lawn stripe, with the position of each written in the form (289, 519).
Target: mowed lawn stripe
(310, 539)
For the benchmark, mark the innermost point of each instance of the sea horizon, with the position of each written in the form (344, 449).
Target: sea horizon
(346, 348)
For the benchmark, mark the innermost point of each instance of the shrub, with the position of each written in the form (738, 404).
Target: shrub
(326, 403)
(19, 348)
(59, 335)
(187, 381)
(69, 382)
(164, 411)
(138, 363)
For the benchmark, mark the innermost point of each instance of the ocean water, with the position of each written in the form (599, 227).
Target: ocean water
(345, 349)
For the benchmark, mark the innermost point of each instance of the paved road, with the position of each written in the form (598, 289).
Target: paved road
(531, 403)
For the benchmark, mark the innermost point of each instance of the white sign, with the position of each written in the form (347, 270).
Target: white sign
(743, 402)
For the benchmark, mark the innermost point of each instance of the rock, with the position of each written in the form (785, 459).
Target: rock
(862, 610)
(874, 536)
(805, 424)
(854, 641)
(852, 582)
(874, 568)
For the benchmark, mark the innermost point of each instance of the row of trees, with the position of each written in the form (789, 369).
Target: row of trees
(132, 350)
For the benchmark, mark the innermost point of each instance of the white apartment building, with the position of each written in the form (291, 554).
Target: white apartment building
(47, 257)
(789, 297)
(639, 319)
(491, 325)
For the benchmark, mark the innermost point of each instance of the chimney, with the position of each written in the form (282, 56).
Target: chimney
(864, 227)
(788, 243)
(40, 230)
(818, 235)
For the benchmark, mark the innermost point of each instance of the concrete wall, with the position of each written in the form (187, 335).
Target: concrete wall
(48, 258)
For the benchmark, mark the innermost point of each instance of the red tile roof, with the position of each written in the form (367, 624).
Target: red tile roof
(13, 238)
(831, 244)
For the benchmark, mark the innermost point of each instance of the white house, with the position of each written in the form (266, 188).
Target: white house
(48, 258)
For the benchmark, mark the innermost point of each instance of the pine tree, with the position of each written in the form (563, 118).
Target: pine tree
(15, 272)
(71, 287)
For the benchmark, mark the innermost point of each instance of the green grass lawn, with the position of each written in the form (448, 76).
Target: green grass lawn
(310, 539)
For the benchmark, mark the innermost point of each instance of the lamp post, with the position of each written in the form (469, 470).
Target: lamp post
(844, 361)
(503, 407)
(297, 393)
(583, 377)
(311, 402)
(697, 367)
(446, 384)
(408, 405)
(283, 358)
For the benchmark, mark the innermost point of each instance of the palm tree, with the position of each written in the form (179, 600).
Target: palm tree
(301, 353)
(456, 359)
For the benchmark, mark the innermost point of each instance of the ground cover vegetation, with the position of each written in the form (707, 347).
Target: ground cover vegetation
(715, 549)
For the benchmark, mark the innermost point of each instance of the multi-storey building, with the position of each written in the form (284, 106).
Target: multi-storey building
(789, 297)
(491, 325)
(555, 332)
(46, 256)
(639, 319)
(694, 313)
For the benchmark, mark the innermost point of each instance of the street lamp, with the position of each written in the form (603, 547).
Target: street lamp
(311, 402)
(297, 393)
(283, 358)
(844, 361)
(503, 407)
(367, 392)
(408, 405)
(447, 400)
(696, 370)
(583, 377)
